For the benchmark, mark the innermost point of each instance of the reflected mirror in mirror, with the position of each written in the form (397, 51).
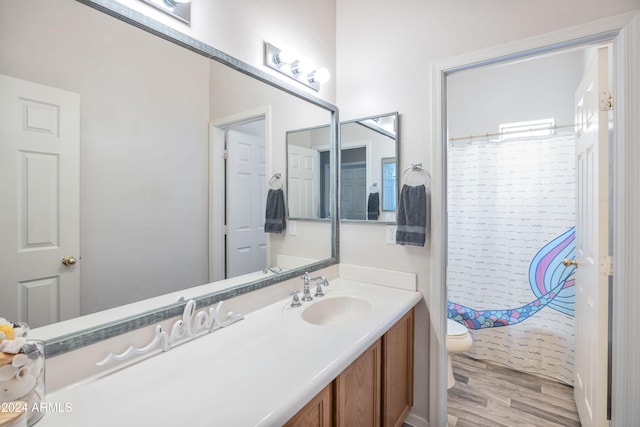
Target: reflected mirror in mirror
(141, 204)
(308, 173)
(368, 169)
(389, 184)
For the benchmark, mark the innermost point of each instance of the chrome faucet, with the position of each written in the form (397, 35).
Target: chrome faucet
(274, 270)
(306, 293)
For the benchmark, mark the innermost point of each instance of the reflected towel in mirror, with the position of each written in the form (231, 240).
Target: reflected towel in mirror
(275, 212)
(373, 206)
(412, 216)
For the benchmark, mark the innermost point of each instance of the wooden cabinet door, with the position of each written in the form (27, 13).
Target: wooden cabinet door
(358, 391)
(397, 372)
(316, 413)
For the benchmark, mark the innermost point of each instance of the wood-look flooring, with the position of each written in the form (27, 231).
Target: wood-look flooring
(494, 396)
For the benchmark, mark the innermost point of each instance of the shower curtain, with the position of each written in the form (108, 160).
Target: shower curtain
(511, 215)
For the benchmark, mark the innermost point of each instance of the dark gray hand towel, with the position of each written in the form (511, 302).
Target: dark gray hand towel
(373, 206)
(275, 212)
(412, 216)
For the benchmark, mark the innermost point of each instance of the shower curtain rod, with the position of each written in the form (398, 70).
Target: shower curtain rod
(485, 135)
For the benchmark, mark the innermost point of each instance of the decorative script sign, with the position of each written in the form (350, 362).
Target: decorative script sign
(189, 326)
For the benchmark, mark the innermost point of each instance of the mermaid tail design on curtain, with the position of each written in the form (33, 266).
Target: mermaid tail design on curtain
(551, 282)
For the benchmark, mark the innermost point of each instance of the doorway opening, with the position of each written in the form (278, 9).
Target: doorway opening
(238, 192)
(511, 217)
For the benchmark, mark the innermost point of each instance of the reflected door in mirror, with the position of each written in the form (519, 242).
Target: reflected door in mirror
(246, 198)
(39, 169)
(353, 184)
(309, 172)
(304, 180)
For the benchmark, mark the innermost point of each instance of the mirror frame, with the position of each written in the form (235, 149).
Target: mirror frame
(396, 128)
(88, 336)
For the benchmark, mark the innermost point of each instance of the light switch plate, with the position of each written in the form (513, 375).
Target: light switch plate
(293, 228)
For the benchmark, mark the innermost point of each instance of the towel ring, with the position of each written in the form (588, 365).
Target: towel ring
(277, 180)
(416, 169)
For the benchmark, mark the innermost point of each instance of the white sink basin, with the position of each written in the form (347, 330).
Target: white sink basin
(336, 311)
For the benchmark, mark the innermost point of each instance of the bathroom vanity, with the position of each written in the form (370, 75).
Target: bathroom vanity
(343, 356)
(375, 390)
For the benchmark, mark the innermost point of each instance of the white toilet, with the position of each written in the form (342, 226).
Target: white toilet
(458, 341)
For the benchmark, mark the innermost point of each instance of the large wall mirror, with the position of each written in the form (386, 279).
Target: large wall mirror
(153, 197)
(369, 169)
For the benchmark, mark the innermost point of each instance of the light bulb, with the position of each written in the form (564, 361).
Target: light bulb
(305, 66)
(321, 75)
(285, 68)
(286, 56)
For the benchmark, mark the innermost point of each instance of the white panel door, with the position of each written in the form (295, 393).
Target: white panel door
(303, 182)
(246, 202)
(39, 189)
(592, 239)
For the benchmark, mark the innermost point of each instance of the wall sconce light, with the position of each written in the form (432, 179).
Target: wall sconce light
(302, 70)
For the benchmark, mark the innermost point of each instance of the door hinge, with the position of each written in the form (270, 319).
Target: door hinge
(606, 265)
(225, 229)
(225, 154)
(606, 100)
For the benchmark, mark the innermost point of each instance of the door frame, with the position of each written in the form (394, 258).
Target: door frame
(218, 182)
(624, 32)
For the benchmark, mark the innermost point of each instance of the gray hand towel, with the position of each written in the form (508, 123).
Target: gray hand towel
(412, 216)
(275, 212)
(373, 206)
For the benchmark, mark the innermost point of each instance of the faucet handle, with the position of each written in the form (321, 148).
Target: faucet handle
(320, 280)
(295, 301)
(319, 292)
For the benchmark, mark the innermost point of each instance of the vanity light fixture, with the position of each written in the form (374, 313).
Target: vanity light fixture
(174, 3)
(179, 9)
(302, 70)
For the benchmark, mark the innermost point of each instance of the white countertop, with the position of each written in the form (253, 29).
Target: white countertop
(256, 372)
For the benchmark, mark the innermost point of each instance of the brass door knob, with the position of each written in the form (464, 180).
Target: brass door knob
(569, 263)
(69, 260)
